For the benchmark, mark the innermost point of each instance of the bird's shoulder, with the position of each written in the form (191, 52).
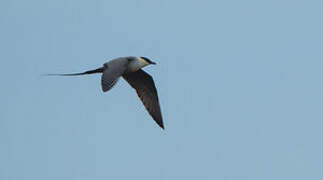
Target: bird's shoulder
(119, 62)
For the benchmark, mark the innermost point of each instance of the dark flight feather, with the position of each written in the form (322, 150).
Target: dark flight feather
(144, 85)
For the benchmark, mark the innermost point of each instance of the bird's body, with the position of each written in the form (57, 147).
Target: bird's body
(130, 69)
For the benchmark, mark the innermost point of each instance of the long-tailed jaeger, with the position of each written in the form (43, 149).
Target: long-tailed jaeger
(130, 68)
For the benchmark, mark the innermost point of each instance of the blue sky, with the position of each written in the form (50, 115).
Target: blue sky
(240, 85)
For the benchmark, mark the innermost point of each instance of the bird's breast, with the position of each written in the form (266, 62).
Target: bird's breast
(135, 66)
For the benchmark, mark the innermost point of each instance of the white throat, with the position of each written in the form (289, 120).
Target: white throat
(137, 64)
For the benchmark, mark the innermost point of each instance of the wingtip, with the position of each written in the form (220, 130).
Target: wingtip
(104, 89)
(162, 126)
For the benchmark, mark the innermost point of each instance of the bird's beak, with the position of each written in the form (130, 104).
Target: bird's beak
(152, 62)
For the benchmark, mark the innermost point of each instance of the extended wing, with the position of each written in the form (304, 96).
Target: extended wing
(146, 90)
(112, 72)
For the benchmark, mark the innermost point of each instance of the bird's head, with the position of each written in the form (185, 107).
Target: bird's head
(145, 61)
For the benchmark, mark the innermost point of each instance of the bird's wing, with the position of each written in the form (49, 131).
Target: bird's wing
(146, 90)
(112, 72)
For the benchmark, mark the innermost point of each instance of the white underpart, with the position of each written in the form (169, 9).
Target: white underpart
(137, 64)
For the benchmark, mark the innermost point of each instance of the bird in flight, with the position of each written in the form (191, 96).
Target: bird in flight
(130, 68)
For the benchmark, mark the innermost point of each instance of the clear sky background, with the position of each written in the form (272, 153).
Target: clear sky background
(240, 85)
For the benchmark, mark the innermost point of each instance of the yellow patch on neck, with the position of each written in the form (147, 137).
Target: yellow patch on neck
(142, 62)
